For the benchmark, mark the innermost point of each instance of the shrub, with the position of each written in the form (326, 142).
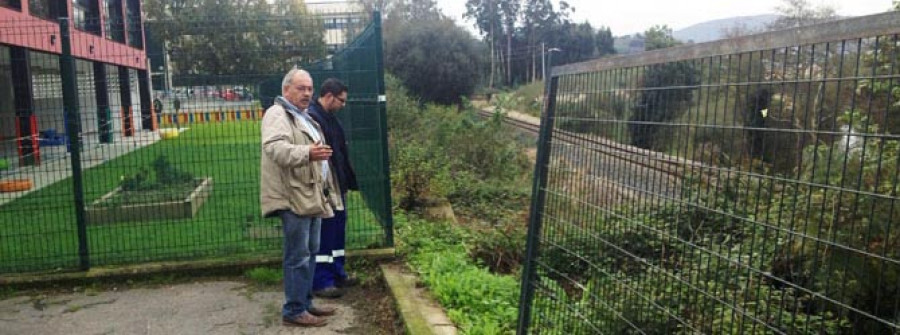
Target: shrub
(478, 301)
(436, 150)
(419, 174)
(164, 174)
(657, 105)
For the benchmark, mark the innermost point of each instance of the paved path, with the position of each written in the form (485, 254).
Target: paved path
(220, 307)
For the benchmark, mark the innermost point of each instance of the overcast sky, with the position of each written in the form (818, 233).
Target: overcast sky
(631, 16)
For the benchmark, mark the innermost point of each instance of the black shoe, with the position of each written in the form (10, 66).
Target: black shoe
(330, 292)
(347, 282)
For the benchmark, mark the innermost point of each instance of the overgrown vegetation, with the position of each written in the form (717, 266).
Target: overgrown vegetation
(528, 99)
(440, 152)
(444, 153)
(477, 301)
(802, 241)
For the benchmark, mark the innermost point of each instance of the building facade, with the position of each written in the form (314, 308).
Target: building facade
(107, 42)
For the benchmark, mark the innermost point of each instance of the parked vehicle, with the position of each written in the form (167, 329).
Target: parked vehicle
(238, 93)
(230, 95)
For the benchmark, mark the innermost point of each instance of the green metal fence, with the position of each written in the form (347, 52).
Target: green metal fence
(183, 136)
(744, 186)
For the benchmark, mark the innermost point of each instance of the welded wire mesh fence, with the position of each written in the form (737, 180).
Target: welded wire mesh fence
(159, 138)
(745, 186)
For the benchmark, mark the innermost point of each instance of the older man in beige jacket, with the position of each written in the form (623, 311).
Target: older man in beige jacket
(297, 185)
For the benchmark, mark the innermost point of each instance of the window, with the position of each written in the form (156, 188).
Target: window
(335, 23)
(7, 106)
(48, 9)
(86, 15)
(14, 4)
(135, 35)
(115, 24)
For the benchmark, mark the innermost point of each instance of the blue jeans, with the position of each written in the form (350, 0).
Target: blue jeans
(301, 242)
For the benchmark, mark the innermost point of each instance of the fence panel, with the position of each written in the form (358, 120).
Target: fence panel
(745, 186)
(170, 147)
(37, 229)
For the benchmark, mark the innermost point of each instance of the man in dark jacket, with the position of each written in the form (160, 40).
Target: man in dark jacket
(330, 276)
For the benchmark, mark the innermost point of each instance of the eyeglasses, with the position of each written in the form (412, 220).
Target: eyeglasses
(343, 101)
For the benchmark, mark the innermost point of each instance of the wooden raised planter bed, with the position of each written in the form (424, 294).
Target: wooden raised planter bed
(97, 213)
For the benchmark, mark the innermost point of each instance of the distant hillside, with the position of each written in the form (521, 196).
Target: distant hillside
(713, 30)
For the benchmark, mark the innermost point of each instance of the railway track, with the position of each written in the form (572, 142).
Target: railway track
(637, 158)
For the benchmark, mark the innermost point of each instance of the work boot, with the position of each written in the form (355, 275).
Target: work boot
(305, 319)
(330, 292)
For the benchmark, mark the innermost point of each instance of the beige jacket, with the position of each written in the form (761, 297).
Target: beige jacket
(288, 180)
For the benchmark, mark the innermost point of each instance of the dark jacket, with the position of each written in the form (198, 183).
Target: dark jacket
(334, 136)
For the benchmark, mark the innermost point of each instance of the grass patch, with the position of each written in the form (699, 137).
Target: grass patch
(264, 276)
(39, 232)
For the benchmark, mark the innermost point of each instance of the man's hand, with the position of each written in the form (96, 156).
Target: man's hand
(319, 152)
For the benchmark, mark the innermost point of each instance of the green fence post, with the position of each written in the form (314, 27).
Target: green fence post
(73, 131)
(382, 112)
(537, 206)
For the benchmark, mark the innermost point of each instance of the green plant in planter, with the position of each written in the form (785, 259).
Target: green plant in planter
(162, 183)
(164, 174)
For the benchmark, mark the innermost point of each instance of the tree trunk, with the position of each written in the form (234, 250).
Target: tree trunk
(493, 59)
(509, 59)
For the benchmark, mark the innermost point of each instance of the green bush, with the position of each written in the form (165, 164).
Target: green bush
(862, 220)
(478, 301)
(436, 150)
(419, 174)
(164, 175)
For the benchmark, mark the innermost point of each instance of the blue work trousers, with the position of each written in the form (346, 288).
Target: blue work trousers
(330, 258)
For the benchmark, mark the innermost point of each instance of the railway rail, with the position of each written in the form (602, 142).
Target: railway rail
(638, 158)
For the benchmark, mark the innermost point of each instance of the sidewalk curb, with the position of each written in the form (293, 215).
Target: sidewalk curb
(140, 270)
(418, 310)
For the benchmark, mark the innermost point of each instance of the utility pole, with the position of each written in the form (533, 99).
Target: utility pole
(544, 54)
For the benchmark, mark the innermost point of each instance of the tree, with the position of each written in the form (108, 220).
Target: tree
(236, 38)
(659, 37)
(578, 43)
(799, 13)
(438, 61)
(509, 10)
(486, 14)
(397, 13)
(667, 92)
(538, 15)
(605, 42)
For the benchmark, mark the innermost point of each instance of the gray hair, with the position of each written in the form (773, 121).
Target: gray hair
(290, 76)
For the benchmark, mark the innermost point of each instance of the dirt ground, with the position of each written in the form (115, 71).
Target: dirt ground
(183, 304)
